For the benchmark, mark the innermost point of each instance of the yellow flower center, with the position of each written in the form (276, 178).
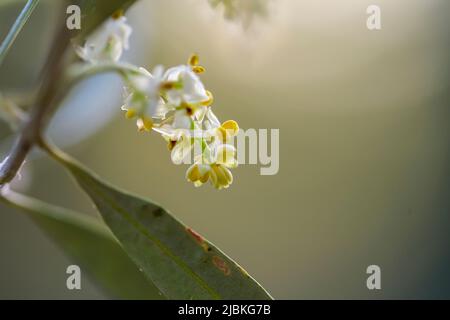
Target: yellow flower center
(117, 14)
(130, 114)
(194, 60)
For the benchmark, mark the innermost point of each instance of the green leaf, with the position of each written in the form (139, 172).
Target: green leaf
(90, 244)
(180, 262)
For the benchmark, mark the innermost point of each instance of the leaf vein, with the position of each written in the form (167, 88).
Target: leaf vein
(140, 228)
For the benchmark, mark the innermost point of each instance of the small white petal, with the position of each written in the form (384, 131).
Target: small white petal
(226, 155)
(107, 42)
(213, 120)
(182, 120)
(181, 150)
(200, 113)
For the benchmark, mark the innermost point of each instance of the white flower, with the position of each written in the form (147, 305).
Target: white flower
(181, 107)
(188, 87)
(156, 106)
(217, 171)
(225, 154)
(211, 121)
(179, 142)
(182, 148)
(182, 119)
(144, 99)
(184, 92)
(199, 173)
(108, 42)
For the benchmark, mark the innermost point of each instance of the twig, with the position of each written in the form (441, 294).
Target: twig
(53, 89)
(45, 102)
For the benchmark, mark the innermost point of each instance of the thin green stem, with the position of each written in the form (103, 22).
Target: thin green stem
(80, 71)
(16, 28)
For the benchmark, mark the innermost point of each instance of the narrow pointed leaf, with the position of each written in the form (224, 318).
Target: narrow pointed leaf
(16, 28)
(180, 262)
(91, 245)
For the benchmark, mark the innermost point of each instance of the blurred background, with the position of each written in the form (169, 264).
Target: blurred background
(364, 144)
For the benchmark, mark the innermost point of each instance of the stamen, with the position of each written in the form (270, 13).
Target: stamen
(210, 100)
(230, 126)
(194, 60)
(170, 85)
(171, 144)
(198, 69)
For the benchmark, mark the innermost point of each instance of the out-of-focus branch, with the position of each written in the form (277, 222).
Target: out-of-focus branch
(54, 87)
(52, 76)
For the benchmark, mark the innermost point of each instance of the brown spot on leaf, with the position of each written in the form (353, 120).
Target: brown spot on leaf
(199, 239)
(221, 265)
(196, 236)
